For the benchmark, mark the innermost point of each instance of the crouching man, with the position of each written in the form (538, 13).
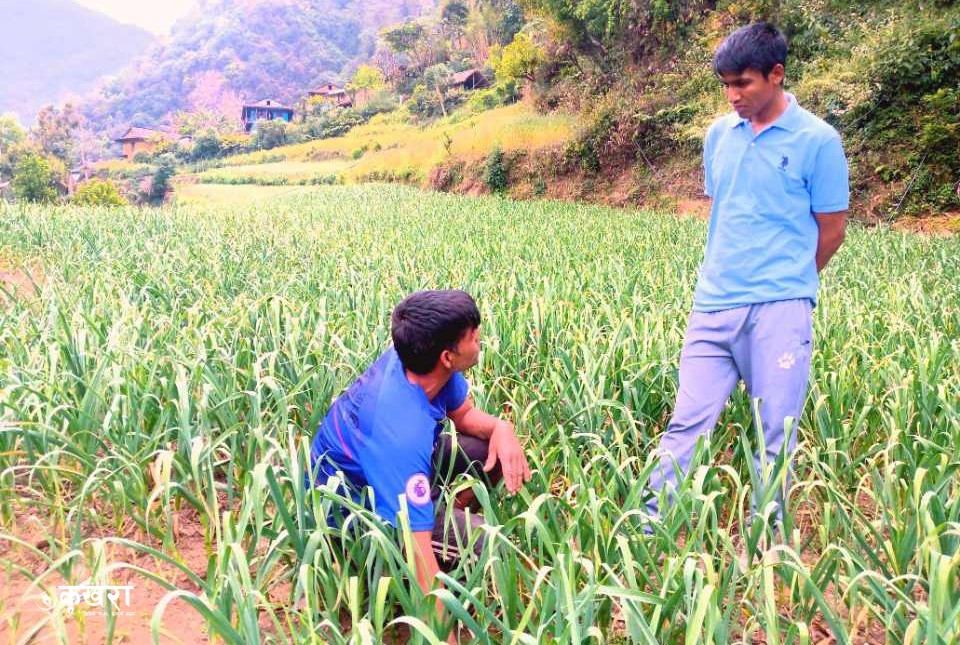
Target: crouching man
(385, 430)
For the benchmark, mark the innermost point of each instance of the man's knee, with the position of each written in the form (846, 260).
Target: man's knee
(463, 454)
(457, 532)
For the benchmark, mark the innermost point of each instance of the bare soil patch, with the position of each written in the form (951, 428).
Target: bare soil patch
(24, 610)
(940, 225)
(18, 281)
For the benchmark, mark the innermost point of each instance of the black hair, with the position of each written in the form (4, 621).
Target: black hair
(426, 323)
(758, 46)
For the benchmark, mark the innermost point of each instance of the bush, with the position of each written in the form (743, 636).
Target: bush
(269, 134)
(445, 178)
(940, 145)
(403, 175)
(159, 183)
(33, 179)
(425, 104)
(333, 123)
(235, 144)
(496, 175)
(98, 192)
(503, 93)
(206, 146)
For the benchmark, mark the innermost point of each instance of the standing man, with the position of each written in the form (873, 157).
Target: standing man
(778, 179)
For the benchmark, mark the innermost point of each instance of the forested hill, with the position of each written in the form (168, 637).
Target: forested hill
(53, 49)
(229, 50)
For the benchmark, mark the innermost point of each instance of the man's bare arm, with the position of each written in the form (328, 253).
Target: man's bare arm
(504, 445)
(833, 230)
(427, 569)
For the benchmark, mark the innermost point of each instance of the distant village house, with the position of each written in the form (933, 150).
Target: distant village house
(470, 79)
(140, 139)
(78, 175)
(332, 95)
(266, 110)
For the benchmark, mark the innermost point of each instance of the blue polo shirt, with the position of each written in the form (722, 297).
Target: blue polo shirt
(762, 239)
(381, 432)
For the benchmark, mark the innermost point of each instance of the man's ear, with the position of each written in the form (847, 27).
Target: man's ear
(777, 74)
(446, 360)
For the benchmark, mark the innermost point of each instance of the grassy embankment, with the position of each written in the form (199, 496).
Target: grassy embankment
(388, 150)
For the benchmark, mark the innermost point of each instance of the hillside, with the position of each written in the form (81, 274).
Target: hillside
(51, 50)
(229, 50)
(634, 86)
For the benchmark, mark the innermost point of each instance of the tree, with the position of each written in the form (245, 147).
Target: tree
(33, 179)
(501, 19)
(520, 59)
(269, 134)
(391, 62)
(11, 133)
(207, 145)
(160, 181)
(212, 105)
(436, 77)
(403, 38)
(609, 32)
(367, 77)
(417, 40)
(98, 192)
(56, 130)
(88, 145)
(454, 16)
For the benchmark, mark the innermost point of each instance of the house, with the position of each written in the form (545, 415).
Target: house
(470, 79)
(78, 175)
(332, 95)
(139, 139)
(266, 110)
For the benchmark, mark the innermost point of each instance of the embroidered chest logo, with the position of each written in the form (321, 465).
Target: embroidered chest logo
(784, 161)
(418, 489)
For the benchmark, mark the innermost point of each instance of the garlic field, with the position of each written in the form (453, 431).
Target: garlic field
(161, 378)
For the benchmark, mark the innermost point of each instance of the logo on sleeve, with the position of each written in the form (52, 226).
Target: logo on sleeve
(418, 489)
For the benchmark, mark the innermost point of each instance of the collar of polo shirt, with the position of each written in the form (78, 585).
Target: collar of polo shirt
(786, 121)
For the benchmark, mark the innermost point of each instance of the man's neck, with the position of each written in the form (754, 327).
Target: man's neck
(771, 112)
(430, 383)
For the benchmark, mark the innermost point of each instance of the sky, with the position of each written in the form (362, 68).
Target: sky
(153, 16)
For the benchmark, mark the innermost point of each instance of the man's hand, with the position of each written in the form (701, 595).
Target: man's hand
(833, 227)
(505, 447)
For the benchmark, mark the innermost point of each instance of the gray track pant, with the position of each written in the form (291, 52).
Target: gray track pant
(768, 345)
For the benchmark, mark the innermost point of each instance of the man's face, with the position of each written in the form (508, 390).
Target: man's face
(749, 92)
(467, 352)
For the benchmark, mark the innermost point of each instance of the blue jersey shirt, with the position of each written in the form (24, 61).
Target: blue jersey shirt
(381, 433)
(762, 239)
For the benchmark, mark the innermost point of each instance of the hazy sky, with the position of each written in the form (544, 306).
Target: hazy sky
(152, 15)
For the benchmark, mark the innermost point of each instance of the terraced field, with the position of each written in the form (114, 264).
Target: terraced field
(402, 151)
